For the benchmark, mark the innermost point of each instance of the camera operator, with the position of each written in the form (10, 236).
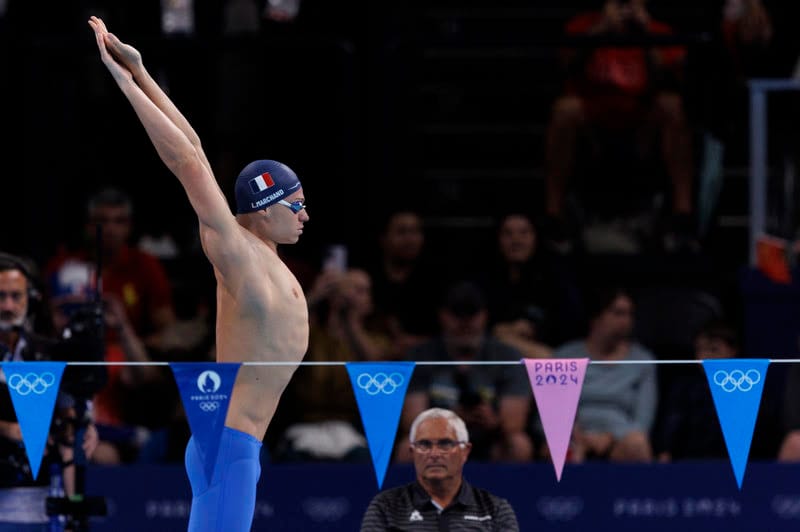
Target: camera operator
(116, 405)
(22, 498)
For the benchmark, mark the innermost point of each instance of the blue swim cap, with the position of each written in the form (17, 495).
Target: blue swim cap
(262, 183)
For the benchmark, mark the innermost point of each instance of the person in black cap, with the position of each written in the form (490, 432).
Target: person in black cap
(493, 399)
(262, 314)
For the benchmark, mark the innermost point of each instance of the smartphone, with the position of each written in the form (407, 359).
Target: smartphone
(335, 258)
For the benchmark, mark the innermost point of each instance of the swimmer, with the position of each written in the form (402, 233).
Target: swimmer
(262, 313)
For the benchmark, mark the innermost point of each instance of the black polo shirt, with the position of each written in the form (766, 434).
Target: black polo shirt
(410, 508)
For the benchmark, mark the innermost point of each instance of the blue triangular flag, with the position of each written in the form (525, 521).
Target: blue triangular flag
(380, 389)
(205, 389)
(34, 389)
(736, 385)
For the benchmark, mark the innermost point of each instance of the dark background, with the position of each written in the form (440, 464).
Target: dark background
(440, 104)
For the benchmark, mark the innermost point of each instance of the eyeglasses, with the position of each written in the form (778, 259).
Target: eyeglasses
(295, 206)
(445, 445)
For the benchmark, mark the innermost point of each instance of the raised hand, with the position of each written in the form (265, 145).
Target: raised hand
(105, 43)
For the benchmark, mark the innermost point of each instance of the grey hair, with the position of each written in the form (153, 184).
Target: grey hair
(455, 422)
(110, 197)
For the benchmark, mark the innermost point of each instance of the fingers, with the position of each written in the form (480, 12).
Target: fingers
(98, 25)
(102, 37)
(97, 22)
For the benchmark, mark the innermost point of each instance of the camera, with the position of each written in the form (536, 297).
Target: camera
(83, 340)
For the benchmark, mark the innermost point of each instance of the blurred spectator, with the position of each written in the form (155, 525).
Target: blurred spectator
(618, 401)
(741, 47)
(281, 10)
(325, 421)
(532, 295)
(626, 102)
(742, 42)
(141, 325)
(136, 278)
(747, 31)
(405, 282)
(494, 399)
(687, 426)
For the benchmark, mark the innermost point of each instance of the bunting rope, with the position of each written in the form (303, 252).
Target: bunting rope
(424, 363)
(205, 387)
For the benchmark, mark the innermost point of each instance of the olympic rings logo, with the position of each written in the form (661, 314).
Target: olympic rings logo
(31, 383)
(209, 406)
(737, 380)
(380, 382)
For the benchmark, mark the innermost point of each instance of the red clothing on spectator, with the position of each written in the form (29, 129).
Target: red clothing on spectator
(615, 81)
(137, 278)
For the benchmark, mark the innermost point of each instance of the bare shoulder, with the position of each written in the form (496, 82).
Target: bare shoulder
(235, 252)
(246, 258)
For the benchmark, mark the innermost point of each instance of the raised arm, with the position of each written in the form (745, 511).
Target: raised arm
(174, 139)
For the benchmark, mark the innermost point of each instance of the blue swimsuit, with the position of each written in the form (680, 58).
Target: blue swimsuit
(227, 502)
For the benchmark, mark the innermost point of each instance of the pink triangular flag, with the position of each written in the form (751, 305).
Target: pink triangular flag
(556, 385)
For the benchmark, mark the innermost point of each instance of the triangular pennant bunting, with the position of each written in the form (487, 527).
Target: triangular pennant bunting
(205, 389)
(380, 389)
(557, 385)
(34, 389)
(736, 386)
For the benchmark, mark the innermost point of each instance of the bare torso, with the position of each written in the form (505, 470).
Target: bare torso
(262, 316)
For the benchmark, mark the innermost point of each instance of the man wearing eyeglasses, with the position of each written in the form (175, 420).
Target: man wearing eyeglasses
(440, 498)
(262, 314)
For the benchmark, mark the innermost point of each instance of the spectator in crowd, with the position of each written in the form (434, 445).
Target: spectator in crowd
(532, 295)
(747, 31)
(687, 426)
(494, 400)
(404, 281)
(626, 101)
(740, 40)
(325, 421)
(618, 402)
(19, 294)
(136, 278)
(440, 498)
(141, 323)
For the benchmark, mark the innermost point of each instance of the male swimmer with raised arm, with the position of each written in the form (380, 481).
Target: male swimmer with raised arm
(261, 309)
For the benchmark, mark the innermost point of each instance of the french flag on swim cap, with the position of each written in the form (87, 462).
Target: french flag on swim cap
(261, 183)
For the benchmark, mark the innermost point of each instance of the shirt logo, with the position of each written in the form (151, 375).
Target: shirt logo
(477, 517)
(415, 516)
